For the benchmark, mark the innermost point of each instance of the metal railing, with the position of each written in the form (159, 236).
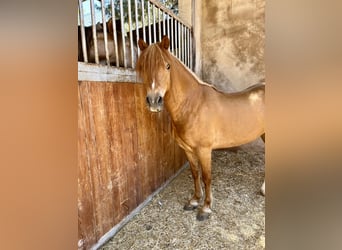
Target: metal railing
(115, 43)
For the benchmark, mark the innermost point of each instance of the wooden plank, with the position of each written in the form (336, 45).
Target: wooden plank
(122, 223)
(144, 156)
(102, 73)
(125, 154)
(128, 133)
(86, 200)
(168, 148)
(104, 166)
(119, 178)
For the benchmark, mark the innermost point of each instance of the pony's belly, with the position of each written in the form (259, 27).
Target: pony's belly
(226, 141)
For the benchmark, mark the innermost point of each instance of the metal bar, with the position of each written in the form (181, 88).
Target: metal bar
(191, 48)
(185, 46)
(188, 46)
(168, 26)
(159, 25)
(114, 34)
(193, 36)
(175, 32)
(173, 35)
(136, 24)
(179, 41)
(143, 19)
(164, 20)
(154, 24)
(130, 32)
(123, 34)
(104, 26)
(84, 44)
(163, 8)
(149, 22)
(94, 31)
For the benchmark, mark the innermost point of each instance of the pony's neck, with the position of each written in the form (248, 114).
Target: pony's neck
(184, 86)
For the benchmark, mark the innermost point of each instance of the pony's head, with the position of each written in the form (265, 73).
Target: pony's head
(154, 68)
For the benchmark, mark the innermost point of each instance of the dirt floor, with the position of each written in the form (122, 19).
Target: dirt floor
(237, 221)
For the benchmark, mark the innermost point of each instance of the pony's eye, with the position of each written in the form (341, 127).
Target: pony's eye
(167, 66)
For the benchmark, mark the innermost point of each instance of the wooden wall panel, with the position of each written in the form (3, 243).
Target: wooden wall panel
(125, 154)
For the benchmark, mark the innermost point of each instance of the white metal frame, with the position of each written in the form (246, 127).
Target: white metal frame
(160, 21)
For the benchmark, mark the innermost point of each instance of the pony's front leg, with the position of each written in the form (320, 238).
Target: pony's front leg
(205, 160)
(195, 171)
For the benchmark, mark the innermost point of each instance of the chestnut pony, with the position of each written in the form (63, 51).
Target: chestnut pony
(203, 118)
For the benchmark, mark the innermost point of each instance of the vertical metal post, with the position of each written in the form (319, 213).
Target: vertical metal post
(130, 32)
(175, 33)
(137, 24)
(176, 38)
(183, 42)
(173, 36)
(186, 45)
(94, 31)
(114, 34)
(84, 44)
(143, 19)
(123, 32)
(154, 23)
(164, 20)
(149, 22)
(193, 35)
(190, 53)
(104, 26)
(179, 41)
(168, 25)
(189, 35)
(159, 24)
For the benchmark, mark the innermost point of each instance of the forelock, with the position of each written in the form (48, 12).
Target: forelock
(149, 61)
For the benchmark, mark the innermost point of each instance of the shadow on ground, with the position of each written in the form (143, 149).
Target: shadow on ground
(237, 221)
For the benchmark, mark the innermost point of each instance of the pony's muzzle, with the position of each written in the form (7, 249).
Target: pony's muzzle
(154, 102)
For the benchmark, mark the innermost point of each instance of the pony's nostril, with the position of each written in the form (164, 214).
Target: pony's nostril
(159, 100)
(148, 100)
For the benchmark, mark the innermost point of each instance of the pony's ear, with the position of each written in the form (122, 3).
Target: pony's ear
(142, 44)
(165, 43)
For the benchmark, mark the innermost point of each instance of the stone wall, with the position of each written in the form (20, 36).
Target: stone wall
(232, 39)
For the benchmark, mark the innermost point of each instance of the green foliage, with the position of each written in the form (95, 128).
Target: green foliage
(170, 4)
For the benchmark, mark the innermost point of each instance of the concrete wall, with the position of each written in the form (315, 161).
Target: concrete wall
(191, 12)
(232, 40)
(184, 7)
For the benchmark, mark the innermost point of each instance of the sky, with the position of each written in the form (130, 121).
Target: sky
(87, 12)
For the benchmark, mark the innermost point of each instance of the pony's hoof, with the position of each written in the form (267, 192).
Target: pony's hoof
(262, 189)
(189, 207)
(201, 216)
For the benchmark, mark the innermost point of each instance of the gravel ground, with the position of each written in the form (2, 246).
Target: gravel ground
(237, 221)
